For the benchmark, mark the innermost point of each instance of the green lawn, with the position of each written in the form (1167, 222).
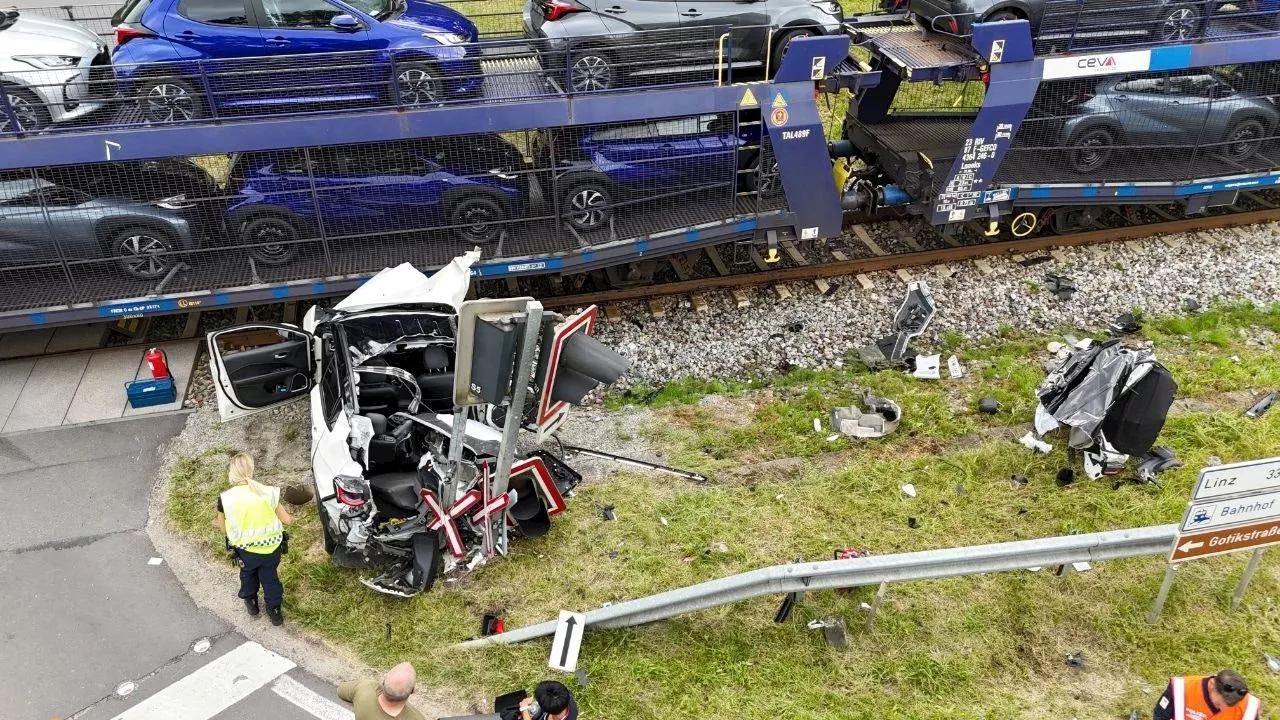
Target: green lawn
(992, 646)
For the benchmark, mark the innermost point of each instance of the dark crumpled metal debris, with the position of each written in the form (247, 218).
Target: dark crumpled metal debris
(1076, 660)
(1262, 406)
(1157, 460)
(1066, 476)
(1017, 480)
(606, 512)
(988, 406)
(1061, 285)
(913, 523)
(1126, 324)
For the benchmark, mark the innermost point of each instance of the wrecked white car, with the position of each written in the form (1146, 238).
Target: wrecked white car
(379, 369)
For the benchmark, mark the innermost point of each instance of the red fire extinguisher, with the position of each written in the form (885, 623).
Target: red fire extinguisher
(158, 363)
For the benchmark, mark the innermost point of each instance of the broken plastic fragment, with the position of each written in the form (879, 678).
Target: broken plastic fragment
(1055, 347)
(1273, 663)
(880, 418)
(1031, 443)
(1076, 660)
(988, 406)
(928, 367)
(833, 437)
(912, 523)
(817, 425)
(1262, 406)
(1016, 481)
(909, 490)
(954, 368)
(663, 521)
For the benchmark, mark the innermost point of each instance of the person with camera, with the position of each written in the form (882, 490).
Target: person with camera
(551, 701)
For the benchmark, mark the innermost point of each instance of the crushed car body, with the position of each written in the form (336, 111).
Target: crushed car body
(1111, 399)
(379, 370)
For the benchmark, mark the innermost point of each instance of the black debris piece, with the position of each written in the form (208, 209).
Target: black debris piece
(1156, 461)
(613, 554)
(788, 604)
(388, 632)
(1061, 285)
(912, 523)
(831, 289)
(1022, 511)
(1262, 406)
(1017, 480)
(606, 512)
(1190, 305)
(1033, 261)
(491, 625)
(1066, 476)
(960, 489)
(988, 406)
(1126, 324)
(794, 327)
(1076, 660)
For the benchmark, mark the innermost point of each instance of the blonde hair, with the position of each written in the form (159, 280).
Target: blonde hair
(240, 472)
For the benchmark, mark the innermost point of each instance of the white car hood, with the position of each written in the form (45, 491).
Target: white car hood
(32, 35)
(406, 285)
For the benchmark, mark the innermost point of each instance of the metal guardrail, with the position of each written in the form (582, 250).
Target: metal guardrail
(866, 571)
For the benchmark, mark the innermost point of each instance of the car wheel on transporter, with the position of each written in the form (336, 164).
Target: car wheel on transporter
(768, 183)
(28, 111)
(1002, 15)
(143, 251)
(1180, 22)
(273, 237)
(1091, 150)
(1244, 139)
(168, 99)
(477, 219)
(780, 45)
(418, 83)
(588, 205)
(327, 541)
(592, 71)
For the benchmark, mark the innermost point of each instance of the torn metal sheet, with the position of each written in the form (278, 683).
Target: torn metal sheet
(880, 418)
(909, 322)
(406, 285)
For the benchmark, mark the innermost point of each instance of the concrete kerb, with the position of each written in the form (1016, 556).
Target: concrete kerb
(213, 588)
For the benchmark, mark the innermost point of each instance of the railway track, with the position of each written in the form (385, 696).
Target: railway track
(806, 270)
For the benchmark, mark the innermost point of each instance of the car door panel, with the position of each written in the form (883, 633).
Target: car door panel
(746, 22)
(259, 366)
(300, 61)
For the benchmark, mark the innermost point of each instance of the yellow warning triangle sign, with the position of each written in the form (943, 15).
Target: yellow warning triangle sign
(779, 101)
(748, 99)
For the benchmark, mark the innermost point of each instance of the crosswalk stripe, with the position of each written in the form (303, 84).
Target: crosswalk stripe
(309, 700)
(214, 687)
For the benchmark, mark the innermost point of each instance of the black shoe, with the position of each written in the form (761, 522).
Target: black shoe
(251, 604)
(276, 615)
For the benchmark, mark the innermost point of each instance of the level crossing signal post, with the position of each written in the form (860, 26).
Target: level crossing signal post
(1232, 508)
(507, 349)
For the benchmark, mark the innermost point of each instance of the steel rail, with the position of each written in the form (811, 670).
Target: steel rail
(864, 571)
(912, 259)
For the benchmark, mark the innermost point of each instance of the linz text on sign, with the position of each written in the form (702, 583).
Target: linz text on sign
(1252, 476)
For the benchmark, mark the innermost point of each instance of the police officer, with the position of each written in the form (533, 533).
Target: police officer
(1224, 696)
(251, 515)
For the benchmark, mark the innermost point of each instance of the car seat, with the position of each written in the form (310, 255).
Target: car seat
(436, 382)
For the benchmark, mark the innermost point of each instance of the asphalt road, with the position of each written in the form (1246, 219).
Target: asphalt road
(87, 605)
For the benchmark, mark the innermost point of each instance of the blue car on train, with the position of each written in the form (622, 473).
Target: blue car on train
(471, 185)
(596, 168)
(190, 59)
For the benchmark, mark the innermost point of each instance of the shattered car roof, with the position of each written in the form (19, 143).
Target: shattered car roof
(406, 285)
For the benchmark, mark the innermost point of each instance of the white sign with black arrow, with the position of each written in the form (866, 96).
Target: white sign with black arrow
(567, 642)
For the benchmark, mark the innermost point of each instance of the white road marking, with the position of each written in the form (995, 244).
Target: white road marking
(214, 687)
(309, 700)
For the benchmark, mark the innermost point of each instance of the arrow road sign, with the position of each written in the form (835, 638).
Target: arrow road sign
(1224, 540)
(1244, 477)
(567, 642)
(1232, 511)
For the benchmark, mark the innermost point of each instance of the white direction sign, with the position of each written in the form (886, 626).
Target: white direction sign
(567, 642)
(1233, 511)
(1244, 477)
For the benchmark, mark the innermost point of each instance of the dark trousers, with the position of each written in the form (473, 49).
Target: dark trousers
(258, 569)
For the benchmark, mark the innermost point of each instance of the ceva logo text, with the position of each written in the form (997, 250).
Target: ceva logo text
(1096, 62)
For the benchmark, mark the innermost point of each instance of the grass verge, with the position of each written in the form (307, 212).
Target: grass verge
(990, 646)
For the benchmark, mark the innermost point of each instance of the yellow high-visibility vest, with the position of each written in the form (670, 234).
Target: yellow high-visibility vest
(251, 521)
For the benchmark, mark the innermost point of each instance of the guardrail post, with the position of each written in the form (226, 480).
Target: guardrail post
(875, 604)
(210, 102)
(1249, 570)
(1162, 595)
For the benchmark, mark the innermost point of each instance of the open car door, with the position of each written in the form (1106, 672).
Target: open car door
(260, 366)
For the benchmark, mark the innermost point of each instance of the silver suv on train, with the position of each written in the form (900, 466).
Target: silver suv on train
(52, 71)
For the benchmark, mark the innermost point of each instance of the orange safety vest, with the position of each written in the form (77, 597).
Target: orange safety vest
(1191, 702)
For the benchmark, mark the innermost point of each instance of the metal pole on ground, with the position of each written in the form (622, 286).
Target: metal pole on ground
(1162, 595)
(1249, 570)
(515, 412)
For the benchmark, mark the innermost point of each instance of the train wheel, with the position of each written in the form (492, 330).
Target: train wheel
(1023, 224)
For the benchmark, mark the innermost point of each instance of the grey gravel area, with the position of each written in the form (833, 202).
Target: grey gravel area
(811, 330)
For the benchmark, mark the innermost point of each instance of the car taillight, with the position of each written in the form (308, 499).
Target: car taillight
(125, 33)
(557, 10)
(349, 491)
